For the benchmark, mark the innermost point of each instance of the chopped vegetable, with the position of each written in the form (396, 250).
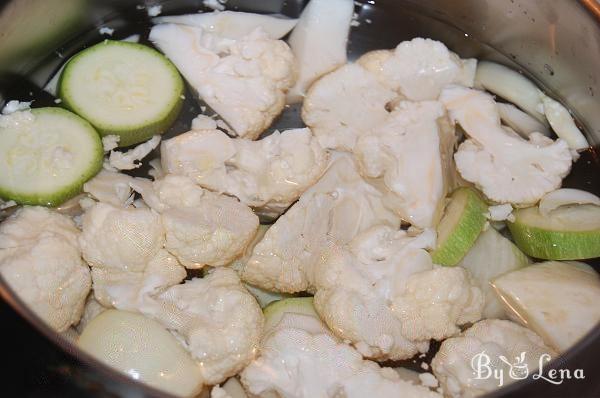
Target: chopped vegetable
(219, 321)
(566, 196)
(521, 122)
(508, 346)
(506, 167)
(233, 24)
(409, 155)
(244, 81)
(510, 85)
(566, 233)
(383, 294)
(131, 159)
(46, 155)
(318, 42)
(516, 88)
(557, 300)
(301, 358)
(268, 175)
(143, 350)
(337, 208)
(123, 88)
(40, 259)
(419, 69)
(492, 255)
(463, 221)
(563, 124)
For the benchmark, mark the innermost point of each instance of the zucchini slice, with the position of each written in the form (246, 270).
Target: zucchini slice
(122, 88)
(463, 221)
(46, 155)
(567, 233)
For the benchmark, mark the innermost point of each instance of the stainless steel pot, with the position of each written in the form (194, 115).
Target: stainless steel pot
(556, 43)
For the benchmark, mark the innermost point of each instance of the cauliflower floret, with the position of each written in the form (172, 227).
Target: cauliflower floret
(436, 302)
(336, 208)
(110, 142)
(125, 250)
(111, 187)
(124, 289)
(118, 238)
(419, 69)
(233, 24)
(245, 81)
(216, 319)
(344, 104)
(508, 346)
(500, 213)
(300, 363)
(507, 168)
(40, 260)
(269, 174)
(202, 227)
(354, 99)
(384, 295)
(131, 159)
(411, 153)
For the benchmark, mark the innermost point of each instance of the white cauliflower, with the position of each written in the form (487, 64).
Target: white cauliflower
(336, 208)
(299, 362)
(344, 104)
(419, 69)
(233, 24)
(383, 294)
(502, 342)
(215, 318)
(125, 290)
(269, 174)
(40, 260)
(506, 167)
(319, 41)
(411, 154)
(500, 213)
(202, 227)
(110, 142)
(354, 99)
(436, 302)
(131, 159)
(119, 238)
(245, 81)
(124, 247)
(111, 187)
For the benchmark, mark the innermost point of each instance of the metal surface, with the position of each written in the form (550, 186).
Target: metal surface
(555, 42)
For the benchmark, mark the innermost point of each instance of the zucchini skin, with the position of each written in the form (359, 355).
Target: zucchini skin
(470, 223)
(555, 245)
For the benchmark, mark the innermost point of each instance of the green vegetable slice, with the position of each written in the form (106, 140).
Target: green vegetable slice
(123, 88)
(46, 155)
(567, 233)
(463, 221)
